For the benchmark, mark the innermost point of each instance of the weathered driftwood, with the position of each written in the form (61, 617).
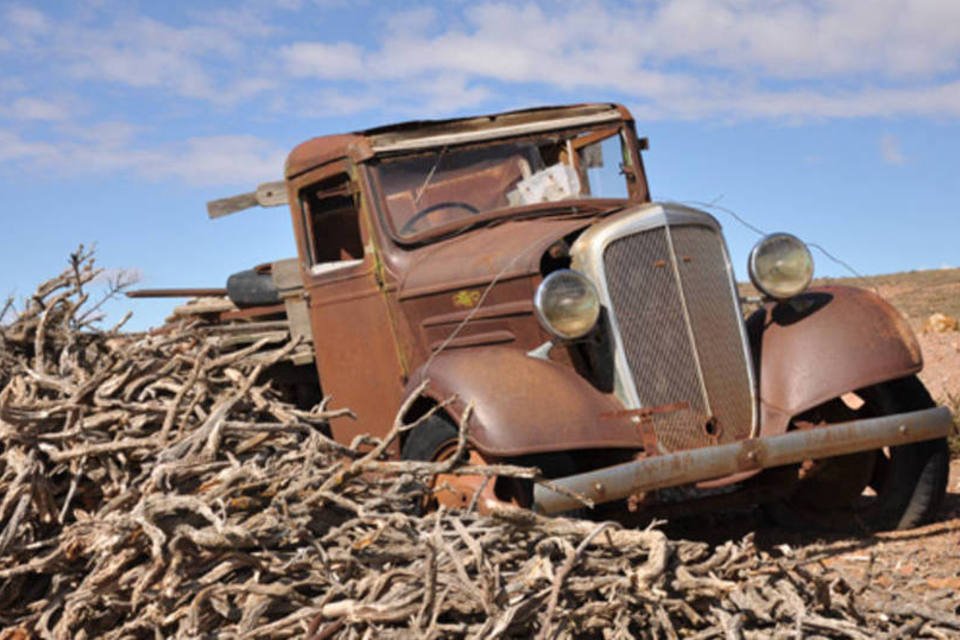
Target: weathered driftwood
(157, 486)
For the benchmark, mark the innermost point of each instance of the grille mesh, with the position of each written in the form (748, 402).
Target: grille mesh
(716, 326)
(660, 351)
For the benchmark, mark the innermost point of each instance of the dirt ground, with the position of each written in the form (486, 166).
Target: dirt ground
(913, 572)
(918, 567)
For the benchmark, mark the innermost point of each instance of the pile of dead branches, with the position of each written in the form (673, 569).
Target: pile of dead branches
(155, 485)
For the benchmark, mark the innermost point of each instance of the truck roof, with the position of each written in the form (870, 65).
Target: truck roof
(427, 134)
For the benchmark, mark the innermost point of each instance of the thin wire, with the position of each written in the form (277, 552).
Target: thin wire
(837, 260)
(713, 205)
(706, 205)
(473, 312)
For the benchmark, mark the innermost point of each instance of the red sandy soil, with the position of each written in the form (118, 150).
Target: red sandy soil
(918, 566)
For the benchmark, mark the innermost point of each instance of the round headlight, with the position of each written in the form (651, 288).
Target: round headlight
(781, 266)
(567, 304)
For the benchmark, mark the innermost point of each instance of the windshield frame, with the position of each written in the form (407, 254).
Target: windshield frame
(633, 177)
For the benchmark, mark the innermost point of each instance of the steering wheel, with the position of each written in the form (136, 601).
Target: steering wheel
(451, 204)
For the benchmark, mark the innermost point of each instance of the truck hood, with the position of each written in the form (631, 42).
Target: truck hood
(509, 249)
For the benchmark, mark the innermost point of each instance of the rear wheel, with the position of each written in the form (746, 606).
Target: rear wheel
(891, 488)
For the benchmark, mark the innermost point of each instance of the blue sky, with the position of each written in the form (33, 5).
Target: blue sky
(835, 120)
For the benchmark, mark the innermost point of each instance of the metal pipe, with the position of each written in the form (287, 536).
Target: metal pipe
(684, 467)
(177, 293)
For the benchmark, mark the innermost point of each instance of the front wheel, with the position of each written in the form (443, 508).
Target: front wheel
(891, 488)
(436, 440)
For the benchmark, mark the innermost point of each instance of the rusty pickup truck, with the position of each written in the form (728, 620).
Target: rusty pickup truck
(513, 270)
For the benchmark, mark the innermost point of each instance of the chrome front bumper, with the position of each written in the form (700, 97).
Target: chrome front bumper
(693, 465)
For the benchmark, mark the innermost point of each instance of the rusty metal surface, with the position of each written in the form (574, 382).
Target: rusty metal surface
(359, 145)
(473, 289)
(824, 343)
(430, 135)
(455, 491)
(352, 313)
(461, 303)
(457, 317)
(375, 322)
(525, 405)
(356, 353)
(472, 260)
(319, 151)
(675, 469)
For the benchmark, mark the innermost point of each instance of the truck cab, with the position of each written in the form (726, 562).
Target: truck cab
(402, 230)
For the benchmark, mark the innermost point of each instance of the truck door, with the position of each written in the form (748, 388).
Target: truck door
(356, 352)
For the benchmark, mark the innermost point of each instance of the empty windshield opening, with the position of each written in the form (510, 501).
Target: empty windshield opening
(446, 185)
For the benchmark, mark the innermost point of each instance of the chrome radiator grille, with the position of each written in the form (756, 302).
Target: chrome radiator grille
(680, 330)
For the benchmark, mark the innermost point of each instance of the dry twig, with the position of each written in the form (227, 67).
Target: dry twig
(158, 486)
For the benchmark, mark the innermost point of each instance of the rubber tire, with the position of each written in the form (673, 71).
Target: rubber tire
(252, 289)
(435, 433)
(426, 440)
(915, 483)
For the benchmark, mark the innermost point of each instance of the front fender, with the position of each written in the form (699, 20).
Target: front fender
(523, 405)
(822, 344)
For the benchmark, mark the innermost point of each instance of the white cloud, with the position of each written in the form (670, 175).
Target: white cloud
(26, 19)
(931, 100)
(330, 103)
(411, 21)
(808, 40)
(14, 148)
(29, 108)
(22, 27)
(214, 59)
(104, 134)
(890, 150)
(339, 60)
(145, 53)
(445, 93)
(239, 159)
(671, 58)
(211, 160)
(239, 19)
(677, 58)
